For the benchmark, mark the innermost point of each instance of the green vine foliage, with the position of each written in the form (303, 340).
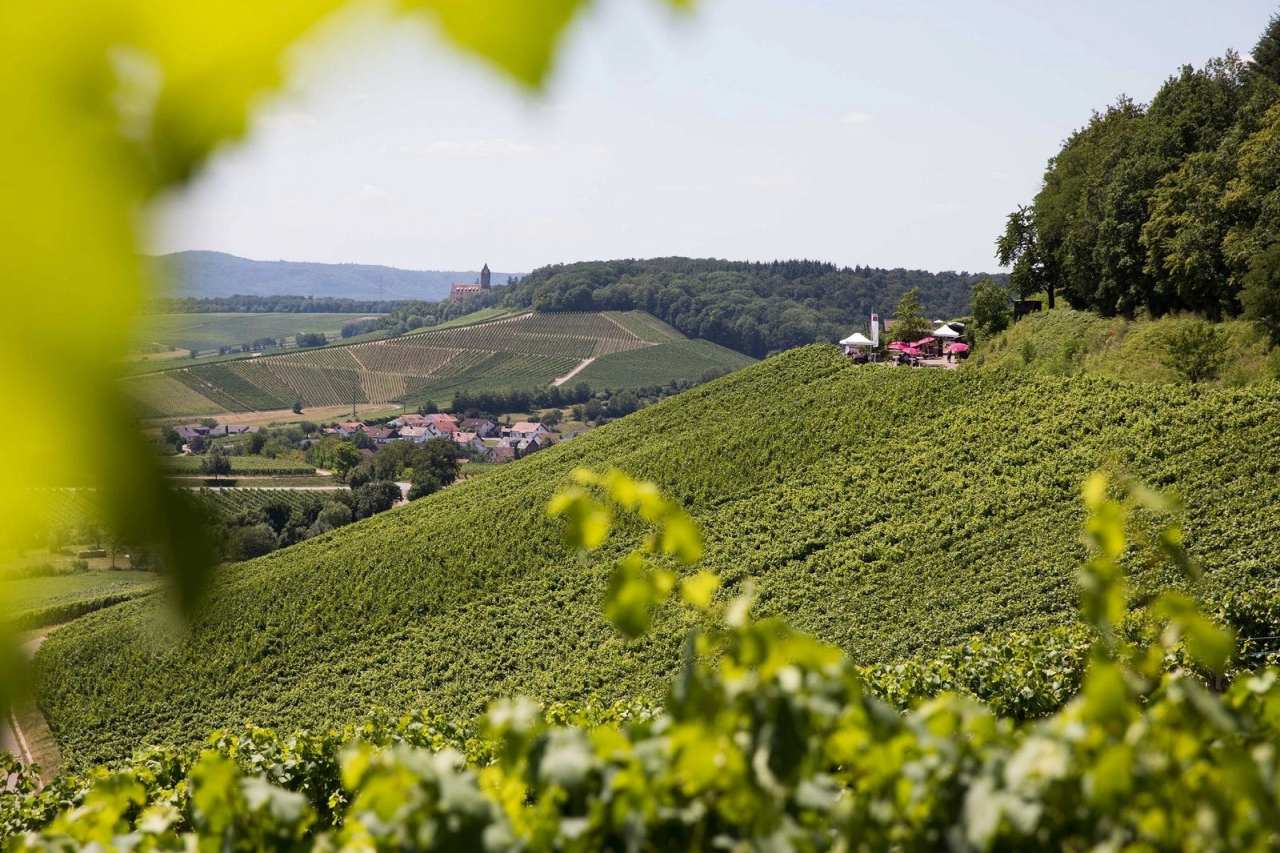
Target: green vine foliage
(768, 739)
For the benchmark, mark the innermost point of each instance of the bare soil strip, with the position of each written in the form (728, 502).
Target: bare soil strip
(574, 372)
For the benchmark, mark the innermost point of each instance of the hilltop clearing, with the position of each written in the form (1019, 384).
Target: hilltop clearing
(1064, 342)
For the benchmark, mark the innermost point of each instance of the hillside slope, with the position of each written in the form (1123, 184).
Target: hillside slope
(524, 351)
(209, 274)
(1066, 342)
(889, 511)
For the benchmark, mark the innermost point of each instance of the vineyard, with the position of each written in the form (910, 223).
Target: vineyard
(232, 502)
(894, 513)
(679, 359)
(31, 602)
(514, 352)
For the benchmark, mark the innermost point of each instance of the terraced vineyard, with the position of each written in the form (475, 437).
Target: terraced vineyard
(522, 351)
(892, 512)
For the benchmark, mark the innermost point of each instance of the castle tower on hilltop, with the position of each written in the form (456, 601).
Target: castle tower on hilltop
(462, 290)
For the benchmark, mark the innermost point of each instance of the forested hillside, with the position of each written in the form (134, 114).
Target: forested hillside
(754, 308)
(217, 274)
(1171, 205)
(892, 512)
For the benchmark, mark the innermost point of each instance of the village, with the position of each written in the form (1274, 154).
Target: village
(482, 439)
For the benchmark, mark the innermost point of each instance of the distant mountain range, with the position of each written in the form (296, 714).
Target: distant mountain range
(209, 274)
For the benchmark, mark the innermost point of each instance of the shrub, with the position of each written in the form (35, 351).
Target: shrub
(1196, 350)
(373, 498)
(253, 541)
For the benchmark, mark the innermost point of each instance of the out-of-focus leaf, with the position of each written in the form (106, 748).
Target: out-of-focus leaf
(699, 589)
(517, 36)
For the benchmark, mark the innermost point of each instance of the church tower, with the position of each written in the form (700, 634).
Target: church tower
(484, 277)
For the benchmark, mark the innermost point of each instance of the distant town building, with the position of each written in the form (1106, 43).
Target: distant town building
(461, 290)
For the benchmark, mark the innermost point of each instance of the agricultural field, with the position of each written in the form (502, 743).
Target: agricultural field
(232, 502)
(521, 351)
(894, 513)
(32, 602)
(204, 332)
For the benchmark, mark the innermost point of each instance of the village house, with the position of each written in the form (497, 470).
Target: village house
(531, 444)
(346, 429)
(526, 429)
(443, 424)
(469, 441)
(410, 420)
(418, 434)
(483, 427)
(188, 432)
(380, 435)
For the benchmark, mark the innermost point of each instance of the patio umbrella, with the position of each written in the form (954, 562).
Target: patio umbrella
(957, 347)
(898, 345)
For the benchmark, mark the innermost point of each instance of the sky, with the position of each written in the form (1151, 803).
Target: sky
(887, 134)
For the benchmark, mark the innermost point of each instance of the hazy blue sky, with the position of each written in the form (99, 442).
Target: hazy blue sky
(887, 134)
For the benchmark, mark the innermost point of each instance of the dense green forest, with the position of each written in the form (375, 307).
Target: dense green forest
(1172, 205)
(754, 308)
(891, 512)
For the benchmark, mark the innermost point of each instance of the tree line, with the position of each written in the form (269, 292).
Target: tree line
(754, 308)
(1168, 206)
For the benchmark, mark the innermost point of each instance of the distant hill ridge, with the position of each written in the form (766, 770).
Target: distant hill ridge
(205, 274)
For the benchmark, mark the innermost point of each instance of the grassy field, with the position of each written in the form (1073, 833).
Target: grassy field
(210, 331)
(32, 602)
(1064, 342)
(243, 465)
(892, 512)
(514, 351)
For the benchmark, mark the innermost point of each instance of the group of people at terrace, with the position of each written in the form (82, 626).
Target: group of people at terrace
(942, 347)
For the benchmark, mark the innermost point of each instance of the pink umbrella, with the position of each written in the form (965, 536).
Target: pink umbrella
(957, 347)
(898, 345)
(910, 350)
(922, 342)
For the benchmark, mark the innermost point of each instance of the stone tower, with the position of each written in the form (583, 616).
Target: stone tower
(484, 277)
